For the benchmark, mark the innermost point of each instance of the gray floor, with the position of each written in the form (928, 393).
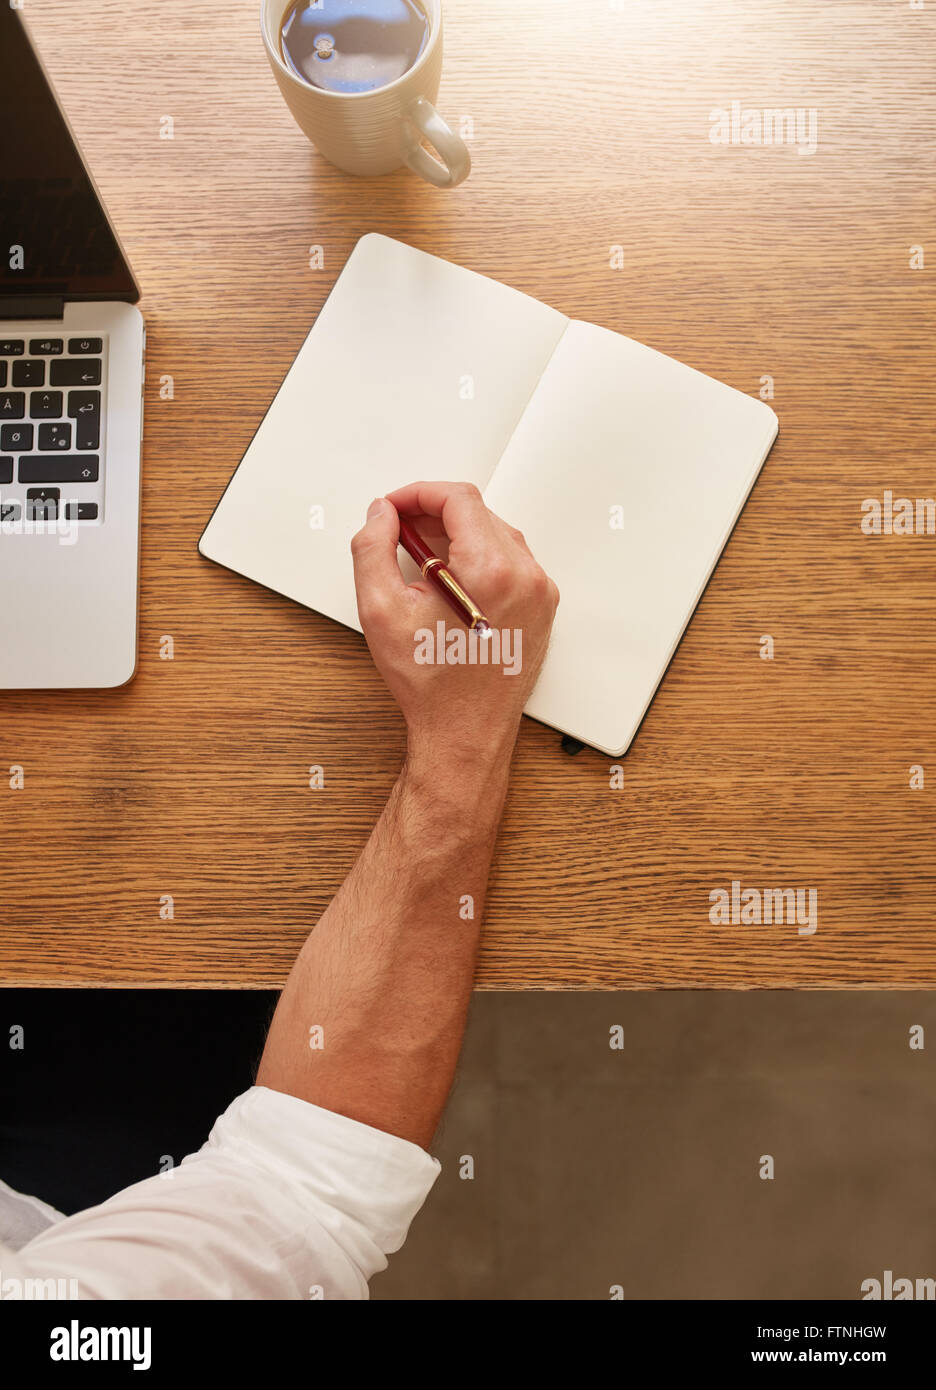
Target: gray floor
(639, 1167)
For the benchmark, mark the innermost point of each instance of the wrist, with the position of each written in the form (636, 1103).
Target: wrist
(464, 780)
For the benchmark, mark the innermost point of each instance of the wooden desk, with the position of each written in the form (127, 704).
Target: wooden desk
(744, 262)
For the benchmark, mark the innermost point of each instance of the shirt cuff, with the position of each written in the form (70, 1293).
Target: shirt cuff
(348, 1170)
(284, 1200)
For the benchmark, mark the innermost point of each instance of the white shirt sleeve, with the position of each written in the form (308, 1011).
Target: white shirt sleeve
(284, 1201)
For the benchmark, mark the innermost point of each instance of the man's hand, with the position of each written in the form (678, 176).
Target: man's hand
(463, 711)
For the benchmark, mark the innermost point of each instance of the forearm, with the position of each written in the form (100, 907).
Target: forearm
(387, 973)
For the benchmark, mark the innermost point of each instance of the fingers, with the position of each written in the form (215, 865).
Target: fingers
(460, 507)
(377, 577)
(495, 553)
(431, 530)
(425, 505)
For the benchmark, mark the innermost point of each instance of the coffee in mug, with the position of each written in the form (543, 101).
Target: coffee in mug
(352, 45)
(360, 77)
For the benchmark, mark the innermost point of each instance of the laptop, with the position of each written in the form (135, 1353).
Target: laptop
(72, 347)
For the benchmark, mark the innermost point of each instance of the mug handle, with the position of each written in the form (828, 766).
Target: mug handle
(455, 163)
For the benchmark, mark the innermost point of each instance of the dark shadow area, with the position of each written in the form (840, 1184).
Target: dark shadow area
(109, 1082)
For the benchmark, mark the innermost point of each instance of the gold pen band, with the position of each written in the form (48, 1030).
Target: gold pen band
(443, 576)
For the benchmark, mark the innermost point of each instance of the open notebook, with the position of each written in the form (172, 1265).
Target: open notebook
(624, 469)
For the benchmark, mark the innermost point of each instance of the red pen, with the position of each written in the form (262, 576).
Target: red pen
(434, 569)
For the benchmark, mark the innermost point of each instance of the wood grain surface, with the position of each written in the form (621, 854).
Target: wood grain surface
(590, 130)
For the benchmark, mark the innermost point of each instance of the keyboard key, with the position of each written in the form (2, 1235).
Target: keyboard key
(3, 373)
(84, 407)
(85, 345)
(42, 503)
(18, 437)
(75, 373)
(11, 347)
(43, 405)
(81, 511)
(45, 347)
(12, 405)
(10, 511)
(54, 436)
(6, 469)
(29, 374)
(75, 468)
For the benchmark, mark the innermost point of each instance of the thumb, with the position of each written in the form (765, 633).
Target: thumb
(374, 553)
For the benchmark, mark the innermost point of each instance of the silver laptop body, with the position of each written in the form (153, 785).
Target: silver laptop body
(72, 347)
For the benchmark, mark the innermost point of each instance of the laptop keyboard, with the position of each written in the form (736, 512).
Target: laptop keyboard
(51, 428)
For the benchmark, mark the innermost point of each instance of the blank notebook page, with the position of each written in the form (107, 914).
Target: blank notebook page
(414, 369)
(613, 424)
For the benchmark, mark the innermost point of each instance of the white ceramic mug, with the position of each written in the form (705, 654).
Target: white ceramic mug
(375, 132)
